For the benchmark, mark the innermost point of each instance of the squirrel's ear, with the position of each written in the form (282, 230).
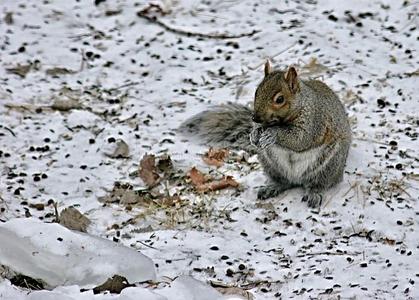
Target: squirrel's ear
(291, 78)
(268, 67)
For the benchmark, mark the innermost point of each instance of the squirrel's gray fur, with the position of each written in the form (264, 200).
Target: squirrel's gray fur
(227, 125)
(302, 139)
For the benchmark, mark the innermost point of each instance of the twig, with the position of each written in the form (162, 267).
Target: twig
(328, 253)
(370, 140)
(82, 61)
(411, 4)
(8, 129)
(57, 216)
(123, 86)
(17, 106)
(273, 56)
(153, 19)
(329, 199)
(144, 244)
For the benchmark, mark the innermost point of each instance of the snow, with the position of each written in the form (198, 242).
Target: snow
(363, 243)
(59, 256)
(184, 287)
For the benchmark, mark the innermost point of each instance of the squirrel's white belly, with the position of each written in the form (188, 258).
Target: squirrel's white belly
(293, 165)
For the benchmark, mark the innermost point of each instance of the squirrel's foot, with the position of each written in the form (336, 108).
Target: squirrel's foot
(313, 199)
(269, 191)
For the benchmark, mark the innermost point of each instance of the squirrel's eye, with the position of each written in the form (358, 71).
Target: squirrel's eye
(279, 99)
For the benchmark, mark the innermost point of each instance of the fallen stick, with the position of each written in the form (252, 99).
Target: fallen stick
(153, 19)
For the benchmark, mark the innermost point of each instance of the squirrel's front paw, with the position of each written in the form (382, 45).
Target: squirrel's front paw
(313, 199)
(255, 136)
(267, 137)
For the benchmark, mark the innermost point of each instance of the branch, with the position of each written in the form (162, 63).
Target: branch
(153, 19)
(328, 253)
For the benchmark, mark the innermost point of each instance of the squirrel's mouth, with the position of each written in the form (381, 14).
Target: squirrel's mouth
(283, 121)
(272, 123)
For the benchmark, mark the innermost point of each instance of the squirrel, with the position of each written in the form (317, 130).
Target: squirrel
(298, 128)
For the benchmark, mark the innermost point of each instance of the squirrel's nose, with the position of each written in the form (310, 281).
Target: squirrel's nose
(256, 119)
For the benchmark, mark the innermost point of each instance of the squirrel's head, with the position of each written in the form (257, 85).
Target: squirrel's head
(275, 97)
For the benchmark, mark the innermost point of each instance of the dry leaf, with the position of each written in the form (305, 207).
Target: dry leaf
(121, 150)
(226, 182)
(414, 73)
(8, 18)
(204, 183)
(71, 218)
(215, 157)
(59, 71)
(124, 194)
(164, 163)
(110, 13)
(66, 104)
(148, 171)
(197, 177)
(20, 70)
(388, 241)
(235, 291)
(313, 67)
(114, 285)
(169, 201)
(129, 197)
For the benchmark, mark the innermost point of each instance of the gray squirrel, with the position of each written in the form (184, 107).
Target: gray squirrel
(299, 130)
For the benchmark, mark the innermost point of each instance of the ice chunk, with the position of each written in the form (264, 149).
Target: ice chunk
(59, 256)
(7, 291)
(183, 288)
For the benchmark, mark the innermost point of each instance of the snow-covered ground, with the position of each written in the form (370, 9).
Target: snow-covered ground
(79, 79)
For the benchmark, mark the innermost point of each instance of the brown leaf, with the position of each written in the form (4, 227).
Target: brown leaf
(388, 241)
(164, 163)
(197, 177)
(56, 71)
(226, 182)
(148, 171)
(124, 194)
(65, 104)
(71, 218)
(8, 18)
(414, 73)
(204, 183)
(114, 285)
(215, 157)
(169, 201)
(20, 70)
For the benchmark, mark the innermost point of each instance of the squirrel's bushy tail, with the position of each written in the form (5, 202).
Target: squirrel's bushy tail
(226, 125)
